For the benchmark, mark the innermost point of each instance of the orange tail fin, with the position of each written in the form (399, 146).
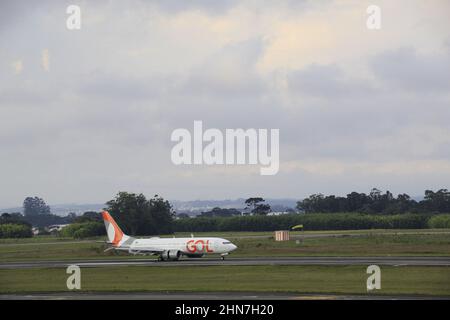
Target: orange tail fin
(115, 234)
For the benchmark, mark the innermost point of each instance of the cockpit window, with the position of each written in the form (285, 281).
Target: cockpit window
(226, 242)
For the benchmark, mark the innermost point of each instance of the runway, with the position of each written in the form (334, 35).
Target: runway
(220, 296)
(250, 261)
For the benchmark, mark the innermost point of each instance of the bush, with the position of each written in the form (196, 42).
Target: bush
(440, 221)
(83, 230)
(10, 230)
(316, 221)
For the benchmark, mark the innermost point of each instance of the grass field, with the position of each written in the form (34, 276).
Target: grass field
(239, 234)
(402, 280)
(372, 243)
(325, 232)
(299, 279)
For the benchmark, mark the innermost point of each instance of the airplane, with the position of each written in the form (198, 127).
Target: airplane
(165, 248)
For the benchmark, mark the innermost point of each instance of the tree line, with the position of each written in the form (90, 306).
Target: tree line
(13, 226)
(318, 221)
(377, 202)
(139, 216)
(134, 213)
(255, 206)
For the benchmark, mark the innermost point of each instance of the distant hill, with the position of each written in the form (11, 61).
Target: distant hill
(197, 206)
(191, 207)
(63, 209)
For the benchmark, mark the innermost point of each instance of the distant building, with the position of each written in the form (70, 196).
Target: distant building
(279, 213)
(55, 227)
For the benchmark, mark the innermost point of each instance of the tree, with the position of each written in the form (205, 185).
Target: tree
(355, 201)
(402, 204)
(84, 230)
(9, 230)
(37, 213)
(71, 216)
(13, 218)
(33, 206)
(162, 215)
(257, 206)
(438, 201)
(311, 204)
(92, 215)
(374, 203)
(138, 216)
(88, 216)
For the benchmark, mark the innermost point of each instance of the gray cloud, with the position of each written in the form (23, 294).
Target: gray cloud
(100, 120)
(327, 81)
(214, 7)
(404, 68)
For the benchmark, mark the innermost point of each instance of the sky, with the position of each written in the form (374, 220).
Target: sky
(87, 113)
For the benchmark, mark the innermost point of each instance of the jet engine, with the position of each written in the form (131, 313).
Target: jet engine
(171, 255)
(135, 252)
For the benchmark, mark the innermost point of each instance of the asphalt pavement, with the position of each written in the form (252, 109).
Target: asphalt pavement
(250, 261)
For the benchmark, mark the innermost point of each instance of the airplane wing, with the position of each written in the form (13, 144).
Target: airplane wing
(148, 250)
(134, 250)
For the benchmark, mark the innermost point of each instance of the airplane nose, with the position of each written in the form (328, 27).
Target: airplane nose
(233, 247)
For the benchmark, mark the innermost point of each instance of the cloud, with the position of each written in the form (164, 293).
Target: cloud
(354, 108)
(212, 7)
(327, 81)
(405, 69)
(230, 72)
(395, 168)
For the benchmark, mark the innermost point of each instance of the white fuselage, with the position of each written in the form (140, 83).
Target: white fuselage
(166, 248)
(187, 246)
